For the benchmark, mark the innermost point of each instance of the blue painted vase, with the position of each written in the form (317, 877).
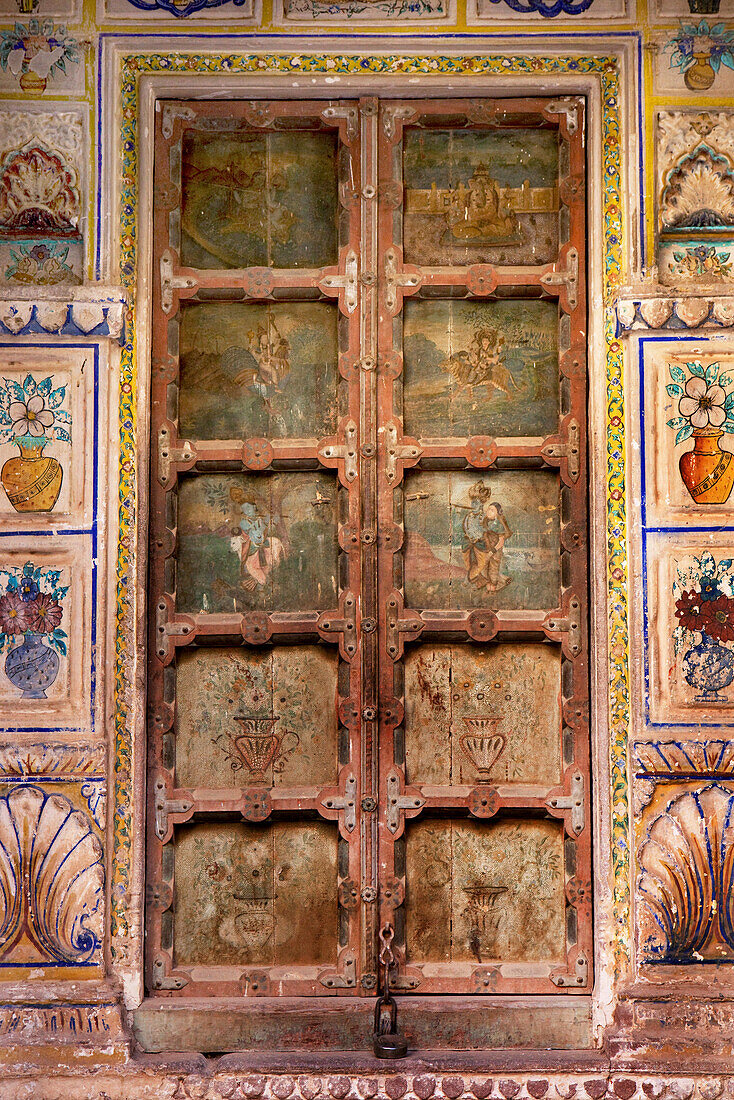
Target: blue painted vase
(32, 666)
(709, 668)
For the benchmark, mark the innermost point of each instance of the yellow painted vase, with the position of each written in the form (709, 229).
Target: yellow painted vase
(701, 74)
(707, 471)
(32, 82)
(32, 482)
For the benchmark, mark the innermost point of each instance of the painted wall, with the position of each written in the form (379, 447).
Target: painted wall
(79, 85)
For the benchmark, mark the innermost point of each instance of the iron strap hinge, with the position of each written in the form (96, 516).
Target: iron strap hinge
(348, 282)
(171, 282)
(568, 277)
(570, 450)
(346, 802)
(343, 978)
(573, 802)
(397, 802)
(165, 806)
(347, 451)
(395, 280)
(398, 452)
(578, 979)
(168, 455)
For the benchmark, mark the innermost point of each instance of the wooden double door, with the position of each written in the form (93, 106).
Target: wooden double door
(368, 659)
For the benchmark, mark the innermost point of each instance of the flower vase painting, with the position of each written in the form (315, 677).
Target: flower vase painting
(31, 416)
(703, 592)
(31, 636)
(705, 406)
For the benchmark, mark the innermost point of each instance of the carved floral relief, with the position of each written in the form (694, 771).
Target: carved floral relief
(696, 187)
(41, 172)
(685, 887)
(51, 881)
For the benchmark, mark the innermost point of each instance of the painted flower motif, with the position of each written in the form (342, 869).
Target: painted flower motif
(45, 614)
(688, 610)
(31, 417)
(710, 588)
(703, 405)
(718, 618)
(27, 587)
(13, 615)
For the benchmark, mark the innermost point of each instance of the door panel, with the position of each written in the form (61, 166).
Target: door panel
(259, 369)
(368, 674)
(484, 834)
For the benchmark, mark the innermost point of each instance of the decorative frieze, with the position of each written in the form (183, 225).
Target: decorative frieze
(83, 317)
(658, 308)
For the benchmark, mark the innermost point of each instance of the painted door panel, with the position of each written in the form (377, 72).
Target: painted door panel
(369, 656)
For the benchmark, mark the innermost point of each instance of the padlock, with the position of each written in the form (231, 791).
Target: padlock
(387, 1041)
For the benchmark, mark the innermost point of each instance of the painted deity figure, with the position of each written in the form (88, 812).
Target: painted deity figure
(482, 364)
(475, 214)
(270, 351)
(485, 531)
(260, 542)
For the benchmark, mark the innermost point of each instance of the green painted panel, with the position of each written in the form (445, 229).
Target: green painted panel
(485, 892)
(480, 368)
(483, 715)
(481, 197)
(258, 370)
(257, 542)
(246, 717)
(488, 540)
(259, 200)
(255, 894)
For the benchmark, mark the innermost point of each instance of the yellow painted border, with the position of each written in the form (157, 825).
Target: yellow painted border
(133, 66)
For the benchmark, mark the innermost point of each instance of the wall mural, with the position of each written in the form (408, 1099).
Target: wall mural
(699, 50)
(704, 607)
(32, 608)
(31, 416)
(706, 412)
(36, 53)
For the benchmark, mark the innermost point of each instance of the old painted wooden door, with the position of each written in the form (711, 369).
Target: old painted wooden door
(368, 659)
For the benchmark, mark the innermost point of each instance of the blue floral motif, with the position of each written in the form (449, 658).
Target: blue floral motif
(548, 8)
(181, 8)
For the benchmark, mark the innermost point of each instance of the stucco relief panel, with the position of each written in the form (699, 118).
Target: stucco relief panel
(51, 879)
(695, 196)
(42, 195)
(685, 862)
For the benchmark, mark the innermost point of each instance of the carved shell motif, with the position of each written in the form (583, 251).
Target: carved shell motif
(686, 885)
(51, 880)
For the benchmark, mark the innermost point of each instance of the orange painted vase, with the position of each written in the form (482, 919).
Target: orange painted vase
(701, 74)
(707, 471)
(32, 482)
